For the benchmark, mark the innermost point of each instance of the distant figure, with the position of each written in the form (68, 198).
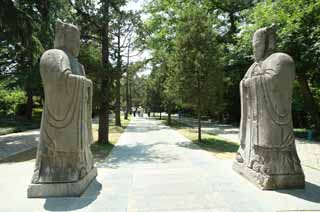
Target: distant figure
(140, 111)
(134, 112)
(267, 154)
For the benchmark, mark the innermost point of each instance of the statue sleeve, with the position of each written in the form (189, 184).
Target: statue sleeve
(64, 93)
(276, 86)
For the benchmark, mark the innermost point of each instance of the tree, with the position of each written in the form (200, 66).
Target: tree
(96, 19)
(26, 31)
(124, 24)
(198, 56)
(157, 34)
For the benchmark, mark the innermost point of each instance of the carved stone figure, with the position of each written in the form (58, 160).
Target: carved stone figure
(64, 164)
(267, 155)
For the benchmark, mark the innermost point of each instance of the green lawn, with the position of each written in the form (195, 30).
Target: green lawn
(303, 133)
(99, 151)
(220, 147)
(18, 124)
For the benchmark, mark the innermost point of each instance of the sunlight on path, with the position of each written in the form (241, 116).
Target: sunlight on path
(153, 168)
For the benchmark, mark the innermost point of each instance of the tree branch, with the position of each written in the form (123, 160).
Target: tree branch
(85, 15)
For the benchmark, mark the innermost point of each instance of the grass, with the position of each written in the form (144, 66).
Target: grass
(101, 151)
(219, 146)
(303, 133)
(18, 124)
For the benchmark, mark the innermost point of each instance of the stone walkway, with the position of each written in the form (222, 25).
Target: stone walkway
(309, 151)
(154, 169)
(16, 144)
(23, 145)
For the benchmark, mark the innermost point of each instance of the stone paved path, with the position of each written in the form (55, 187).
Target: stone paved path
(15, 144)
(24, 144)
(154, 169)
(309, 151)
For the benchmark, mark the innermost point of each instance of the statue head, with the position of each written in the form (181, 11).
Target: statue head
(264, 42)
(67, 38)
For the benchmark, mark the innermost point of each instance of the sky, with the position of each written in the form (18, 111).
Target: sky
(137, 5)
(134, 5)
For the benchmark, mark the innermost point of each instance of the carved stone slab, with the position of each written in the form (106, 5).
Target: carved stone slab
(75, 189)
(270, 182)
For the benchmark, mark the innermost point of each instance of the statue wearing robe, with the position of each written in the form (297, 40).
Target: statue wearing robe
(64, 154)
(267, 153)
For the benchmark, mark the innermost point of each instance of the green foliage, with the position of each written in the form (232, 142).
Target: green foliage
(209, 142)
(10, 100)
(185, 54)
(299, 37)
(198, 57)
(199, 50)
(90, 57)
(26, 30)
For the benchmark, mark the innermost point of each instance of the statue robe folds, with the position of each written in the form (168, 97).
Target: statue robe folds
(64, 151)
(267, 151)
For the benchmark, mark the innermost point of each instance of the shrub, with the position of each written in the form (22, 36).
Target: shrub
(10, 100)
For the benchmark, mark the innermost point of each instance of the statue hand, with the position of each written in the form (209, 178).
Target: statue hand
(246, 82)
(88, 82)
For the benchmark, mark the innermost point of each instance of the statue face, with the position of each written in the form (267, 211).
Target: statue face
(72, 41)
(259, 44)
(67, 37)
(264, 43)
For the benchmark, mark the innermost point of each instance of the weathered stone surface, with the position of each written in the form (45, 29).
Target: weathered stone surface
(62, 189)
(267, 155)
(64, 154)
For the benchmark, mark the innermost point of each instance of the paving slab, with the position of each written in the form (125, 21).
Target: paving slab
(155, 169)
(308, 151)
(17, 144)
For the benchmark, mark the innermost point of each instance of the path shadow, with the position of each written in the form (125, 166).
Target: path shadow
(137, 128)
(18, 147)
(188, 144)
(222, 132)
(311, 192)
(23, 156)
(211, 145)
(138, 153)
(74, 203)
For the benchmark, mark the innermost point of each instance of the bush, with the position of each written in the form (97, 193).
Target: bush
(10, 101)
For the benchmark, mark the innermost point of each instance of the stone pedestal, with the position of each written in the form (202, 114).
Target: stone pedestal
(75, 189)
(270, 182)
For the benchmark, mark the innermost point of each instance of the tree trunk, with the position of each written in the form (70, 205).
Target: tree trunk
(118, 83)
(127, 86)
(160, 115)
(199, 125)
(118, 102)
(233, 27)
(309, 101)
(130, 98)
(169, 114)
(29, 105)
(127, 96)
(103, 134)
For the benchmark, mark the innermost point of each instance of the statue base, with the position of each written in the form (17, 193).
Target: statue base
(270, 182)
(74, 189)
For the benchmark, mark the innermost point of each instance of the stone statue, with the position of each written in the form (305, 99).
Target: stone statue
(64, 164)
(267, 155)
